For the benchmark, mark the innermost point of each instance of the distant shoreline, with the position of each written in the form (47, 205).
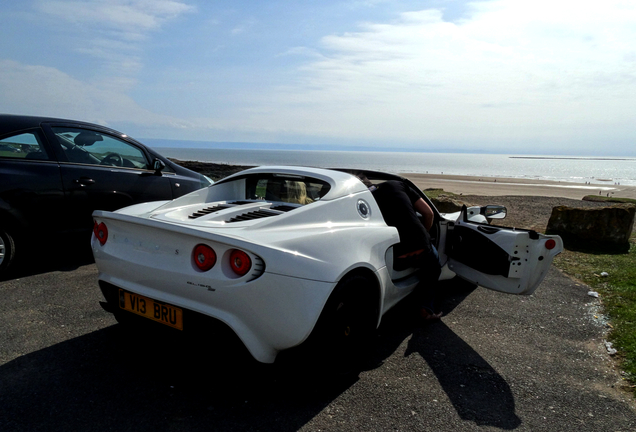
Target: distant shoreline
(160, 144)
(458, 184)
(571, 168)
(570, 158)
(475, 185)
(215, 171)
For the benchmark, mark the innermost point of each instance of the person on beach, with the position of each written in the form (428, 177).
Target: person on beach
(399, 205)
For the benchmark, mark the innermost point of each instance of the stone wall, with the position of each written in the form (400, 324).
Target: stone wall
(605, 229)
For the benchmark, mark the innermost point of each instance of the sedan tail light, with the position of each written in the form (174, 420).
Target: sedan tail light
(240, 262)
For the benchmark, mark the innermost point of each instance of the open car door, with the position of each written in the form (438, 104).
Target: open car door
(509, 260)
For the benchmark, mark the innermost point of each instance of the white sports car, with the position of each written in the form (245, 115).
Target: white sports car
(280, 255)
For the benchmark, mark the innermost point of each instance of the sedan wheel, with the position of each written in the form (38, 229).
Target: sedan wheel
(7, 251)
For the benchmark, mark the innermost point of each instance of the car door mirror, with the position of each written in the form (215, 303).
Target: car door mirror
(494, 211)
(158, 165)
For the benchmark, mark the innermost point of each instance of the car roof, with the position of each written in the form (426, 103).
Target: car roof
(13, 122)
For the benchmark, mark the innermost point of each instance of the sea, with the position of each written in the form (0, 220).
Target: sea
(593, 170)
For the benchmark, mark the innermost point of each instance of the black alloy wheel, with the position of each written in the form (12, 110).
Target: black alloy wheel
(346, 325)
(7, 251)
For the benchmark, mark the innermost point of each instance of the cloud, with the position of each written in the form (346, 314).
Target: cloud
(244, 26)
(113, 30)
(46, 91)
(125, 16)
(300, 51)
(507, 71)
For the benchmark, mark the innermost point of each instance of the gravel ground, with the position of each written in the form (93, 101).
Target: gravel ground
(494, 362)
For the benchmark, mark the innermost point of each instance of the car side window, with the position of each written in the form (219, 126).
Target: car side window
(26, 145)
(95, 148)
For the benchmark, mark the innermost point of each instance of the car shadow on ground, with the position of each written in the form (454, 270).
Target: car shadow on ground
(120, 379)
(117, 379)
(56, 254)
(478, 393)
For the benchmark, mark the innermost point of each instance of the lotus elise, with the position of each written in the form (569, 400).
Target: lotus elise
(282, 256)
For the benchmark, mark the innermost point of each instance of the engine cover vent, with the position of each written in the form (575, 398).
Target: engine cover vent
(257, 214)
(209, 210)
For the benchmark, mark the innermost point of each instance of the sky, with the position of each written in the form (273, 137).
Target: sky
(500, 76)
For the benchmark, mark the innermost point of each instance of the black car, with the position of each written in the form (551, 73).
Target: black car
(54, 173)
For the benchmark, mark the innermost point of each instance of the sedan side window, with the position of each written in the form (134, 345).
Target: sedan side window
(96, 148)
(23, 146)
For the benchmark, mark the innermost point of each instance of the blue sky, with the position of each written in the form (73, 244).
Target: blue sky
(547, 77)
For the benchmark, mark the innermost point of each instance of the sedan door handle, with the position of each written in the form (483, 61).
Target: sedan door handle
(84, 181)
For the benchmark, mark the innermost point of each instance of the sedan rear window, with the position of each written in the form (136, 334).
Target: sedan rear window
(23, 146)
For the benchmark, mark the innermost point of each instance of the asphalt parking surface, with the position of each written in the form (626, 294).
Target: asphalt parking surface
(494, 362)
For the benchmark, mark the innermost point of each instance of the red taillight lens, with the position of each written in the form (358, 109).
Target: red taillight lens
(101, 232)
(240, 262)
(204, 257)
(550, 244)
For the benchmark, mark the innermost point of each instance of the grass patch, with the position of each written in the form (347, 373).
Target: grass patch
(617, 293)
(433, 193)
(599, 198)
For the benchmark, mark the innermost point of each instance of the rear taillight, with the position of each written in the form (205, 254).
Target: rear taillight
(550, 244)
(101, 232)
(204, 257)
(240, 262)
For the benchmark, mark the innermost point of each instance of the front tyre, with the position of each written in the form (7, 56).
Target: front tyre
(7, 251)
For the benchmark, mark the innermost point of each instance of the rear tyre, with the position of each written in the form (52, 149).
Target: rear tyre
(7, 251)
(345, 327)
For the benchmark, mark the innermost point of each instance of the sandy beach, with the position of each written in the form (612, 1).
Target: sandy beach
(467, 185)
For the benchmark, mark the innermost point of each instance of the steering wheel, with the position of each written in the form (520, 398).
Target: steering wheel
(113, 159)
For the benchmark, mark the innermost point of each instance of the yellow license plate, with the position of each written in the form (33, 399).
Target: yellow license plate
(146, 307)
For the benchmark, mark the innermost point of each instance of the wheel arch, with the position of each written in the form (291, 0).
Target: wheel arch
(375, 287)
(321, 348)
(11, 222)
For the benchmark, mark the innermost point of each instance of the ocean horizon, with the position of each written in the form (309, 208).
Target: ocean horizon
(600, 170)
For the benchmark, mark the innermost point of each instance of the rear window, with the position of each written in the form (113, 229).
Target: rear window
(286, 188)
(25, 145)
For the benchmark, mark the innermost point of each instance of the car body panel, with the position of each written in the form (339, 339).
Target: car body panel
(28, 188)
(514, 261)
(300, 253)
(90, 187)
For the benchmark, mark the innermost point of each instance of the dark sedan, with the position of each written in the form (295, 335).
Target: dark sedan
(54, 173)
